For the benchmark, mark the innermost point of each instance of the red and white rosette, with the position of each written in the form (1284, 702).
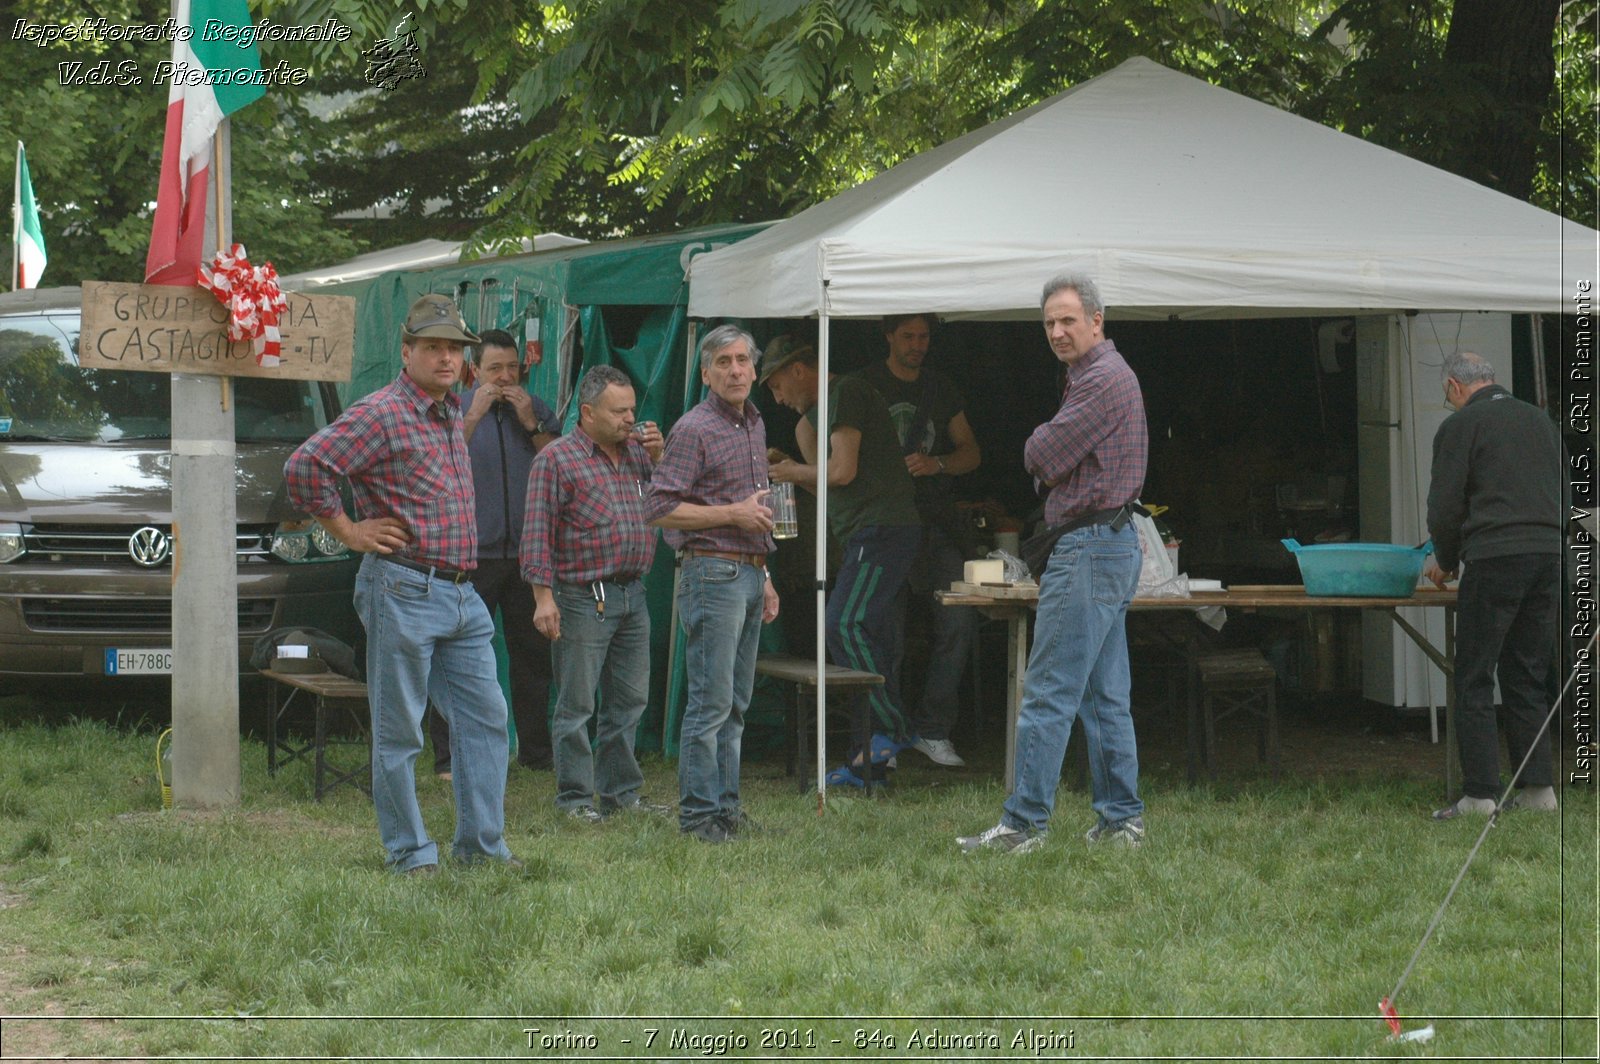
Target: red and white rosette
(255, 302)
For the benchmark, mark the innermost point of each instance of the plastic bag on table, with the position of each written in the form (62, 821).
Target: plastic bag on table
(1016, 569)
(1176, 587)
(1158, 577)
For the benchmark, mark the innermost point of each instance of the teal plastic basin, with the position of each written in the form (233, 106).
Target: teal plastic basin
(1373, 570)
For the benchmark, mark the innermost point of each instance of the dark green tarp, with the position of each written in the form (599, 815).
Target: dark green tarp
(577, 302)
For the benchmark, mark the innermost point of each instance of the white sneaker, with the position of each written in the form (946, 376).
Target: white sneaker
(1129, 833)
(1540, 798)
(1464, 806)
(1000, 837)
(939, 751)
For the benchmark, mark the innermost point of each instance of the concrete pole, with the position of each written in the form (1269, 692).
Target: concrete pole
(205, 590)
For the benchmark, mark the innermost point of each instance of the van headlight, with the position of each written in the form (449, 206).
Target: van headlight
(326, 543)
(306, 541)
(12, 545)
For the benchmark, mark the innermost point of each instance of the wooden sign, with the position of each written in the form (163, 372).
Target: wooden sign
(158, 328)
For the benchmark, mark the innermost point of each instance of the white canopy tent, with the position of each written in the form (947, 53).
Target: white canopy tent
(1179, 198)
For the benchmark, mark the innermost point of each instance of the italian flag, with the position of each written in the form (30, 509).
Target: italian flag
(196, 106)
(27, 236)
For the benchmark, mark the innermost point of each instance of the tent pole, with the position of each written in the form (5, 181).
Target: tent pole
(1541, 390)
(822, 555)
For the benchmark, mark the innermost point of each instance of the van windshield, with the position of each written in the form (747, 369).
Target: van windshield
(46, 395)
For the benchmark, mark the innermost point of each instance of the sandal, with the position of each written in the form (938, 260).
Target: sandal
(844, 777)
(884, 749)
(881, 750)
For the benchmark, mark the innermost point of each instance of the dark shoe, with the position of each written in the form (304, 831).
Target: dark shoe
(537, 762)
(739, 824)
(423, 870)
(587, 813)
(709, 830)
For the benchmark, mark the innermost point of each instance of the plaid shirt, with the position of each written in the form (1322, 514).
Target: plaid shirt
(405, 457)
(585, 515)
(716, 455)
(1092, 453)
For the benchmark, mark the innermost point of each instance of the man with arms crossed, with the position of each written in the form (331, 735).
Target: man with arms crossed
(708, 493)
(428, 633)
(1091, 456)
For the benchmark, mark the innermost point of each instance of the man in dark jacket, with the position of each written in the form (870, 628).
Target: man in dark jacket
(1495, 503)
(505, 427)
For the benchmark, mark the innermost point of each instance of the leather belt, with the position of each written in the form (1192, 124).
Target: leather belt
(1116, 517)
(451, 576)
(756, 560)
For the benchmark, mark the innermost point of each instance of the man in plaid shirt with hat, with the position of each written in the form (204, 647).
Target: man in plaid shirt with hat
(428, 634)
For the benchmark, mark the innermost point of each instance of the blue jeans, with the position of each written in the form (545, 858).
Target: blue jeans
(609, 654)
(429, 639)
(719, 604)
(954, 628)
(499, 583)
(1078, 669)
(863, 625)
(1506, 624)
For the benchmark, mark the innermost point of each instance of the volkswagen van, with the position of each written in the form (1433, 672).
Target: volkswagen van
(86, 509)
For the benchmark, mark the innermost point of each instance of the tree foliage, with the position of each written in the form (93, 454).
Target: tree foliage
(95, 153)
(721, 110)
(606, 117)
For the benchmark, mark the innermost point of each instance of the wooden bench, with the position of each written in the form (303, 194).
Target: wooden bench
(325, 691)
(1234, 681)
(802, 672)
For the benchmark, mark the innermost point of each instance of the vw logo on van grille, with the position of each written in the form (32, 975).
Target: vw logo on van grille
(149, 547)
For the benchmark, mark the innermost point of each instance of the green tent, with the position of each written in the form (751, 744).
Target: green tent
(620, 303)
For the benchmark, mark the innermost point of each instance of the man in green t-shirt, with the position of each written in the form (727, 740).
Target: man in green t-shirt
(937, 444)
(872, 512)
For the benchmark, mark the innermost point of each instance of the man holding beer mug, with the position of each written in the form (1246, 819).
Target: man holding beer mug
(710, 492)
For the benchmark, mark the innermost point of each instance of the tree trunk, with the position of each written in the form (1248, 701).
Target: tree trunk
(1507, 52)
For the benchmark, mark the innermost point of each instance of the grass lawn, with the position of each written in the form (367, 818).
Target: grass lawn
(1260, 919)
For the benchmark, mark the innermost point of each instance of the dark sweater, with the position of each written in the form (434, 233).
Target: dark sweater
(1496, 481)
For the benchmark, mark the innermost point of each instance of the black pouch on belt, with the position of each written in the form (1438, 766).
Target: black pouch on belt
(1036, 550)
